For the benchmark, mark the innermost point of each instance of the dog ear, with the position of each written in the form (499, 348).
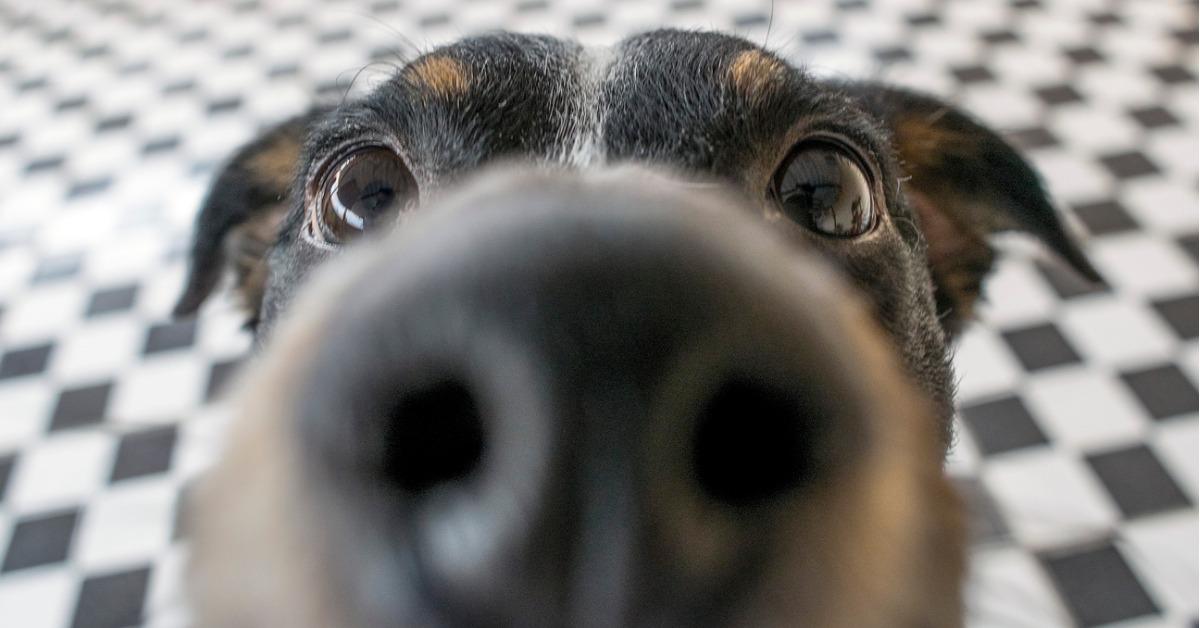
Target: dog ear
(239, 219)
(965, 183)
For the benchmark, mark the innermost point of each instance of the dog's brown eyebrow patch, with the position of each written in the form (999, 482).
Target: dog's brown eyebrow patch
(275, 164)
(754, 73)
(921, 142)
(440, 76)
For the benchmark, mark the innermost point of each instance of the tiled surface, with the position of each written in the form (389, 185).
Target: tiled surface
(1078, 443)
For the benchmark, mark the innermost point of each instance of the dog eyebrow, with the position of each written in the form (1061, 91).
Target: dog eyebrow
(754, 73)
(440, 75)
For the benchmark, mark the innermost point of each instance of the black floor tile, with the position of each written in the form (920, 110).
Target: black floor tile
(44, 164)
(1040, 346)
(112, 600)
(1104, 217)
(892, 54)
(81, 406)
(218, 378)
(170, 336)
(434, 20)
(1174, 74)
(1054, 95)
(999, 36)
(144, 453)
(161, 145)
(1065, 282)
(1098, 585)
(90, 186)
(1181, 313)
(240, 52)
(534, 6)
(58, 267)
(113, 123)
(224, 105)
(1190, 244)
(1032, 138)
(1137, 481)
(1002, 425)
(971, 74)
(820, 37)
(40, 540)
(25, 361)
(923, 19)
(70, 103)
(112, 299)
(1083, 54)
(1105, 18)
(1128, 165)
(1154, 117)
(7, 462)
(593, 19)
(183, 506)
(291, 69)
(1164, 390)
(179, 87)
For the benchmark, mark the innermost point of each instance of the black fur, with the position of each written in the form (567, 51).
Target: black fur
(548, 287)
(667, 98)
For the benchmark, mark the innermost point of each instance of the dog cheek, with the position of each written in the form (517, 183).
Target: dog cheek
(286, 269)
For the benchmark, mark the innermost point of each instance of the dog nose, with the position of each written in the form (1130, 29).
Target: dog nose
(576, 404)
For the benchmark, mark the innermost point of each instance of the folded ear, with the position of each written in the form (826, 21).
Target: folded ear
(964, 183)
(240, 217)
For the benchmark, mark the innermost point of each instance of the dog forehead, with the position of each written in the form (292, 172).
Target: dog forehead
(690, 99)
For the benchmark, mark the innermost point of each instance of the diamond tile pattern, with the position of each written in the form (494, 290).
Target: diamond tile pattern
(1181, 313)
(112, 600)
(113, 299)
(1040, 347)
(143, 453)
(1002, 425)
(1137, 481)
(1077, 455)
(41, 540)
(1165, 390)
(25, 361)
(80, 406)
(1099, 586)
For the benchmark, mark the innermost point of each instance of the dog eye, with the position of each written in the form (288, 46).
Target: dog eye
(821, 186)
(367, 187)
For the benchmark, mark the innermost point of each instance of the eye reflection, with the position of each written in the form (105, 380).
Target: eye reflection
(823, 188)
(366, 188)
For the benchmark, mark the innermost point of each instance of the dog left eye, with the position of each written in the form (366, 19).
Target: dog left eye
(821, 186)
(365, 188)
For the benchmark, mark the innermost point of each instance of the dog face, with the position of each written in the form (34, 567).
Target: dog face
(639, 304)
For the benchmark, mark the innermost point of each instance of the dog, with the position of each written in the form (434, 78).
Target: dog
(655, 335)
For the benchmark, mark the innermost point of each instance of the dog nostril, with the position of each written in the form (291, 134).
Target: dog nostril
(436, 436)
(753, 442)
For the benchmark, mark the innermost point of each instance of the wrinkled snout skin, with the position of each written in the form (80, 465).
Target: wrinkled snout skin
(579, 400)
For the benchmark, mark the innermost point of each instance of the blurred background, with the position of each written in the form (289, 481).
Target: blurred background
(1078, 423)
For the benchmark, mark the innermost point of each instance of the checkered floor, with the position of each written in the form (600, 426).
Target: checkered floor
(1078, 439)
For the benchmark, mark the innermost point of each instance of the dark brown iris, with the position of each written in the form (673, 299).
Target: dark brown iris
(823, 188)
(366, 188)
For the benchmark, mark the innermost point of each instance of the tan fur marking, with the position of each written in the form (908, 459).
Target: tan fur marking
(441, 76)
(277, 163)
(922, 142)
(754, 72)
(246, 248)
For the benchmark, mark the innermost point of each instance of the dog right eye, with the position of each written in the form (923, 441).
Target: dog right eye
(369, 186)
(822, 186)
